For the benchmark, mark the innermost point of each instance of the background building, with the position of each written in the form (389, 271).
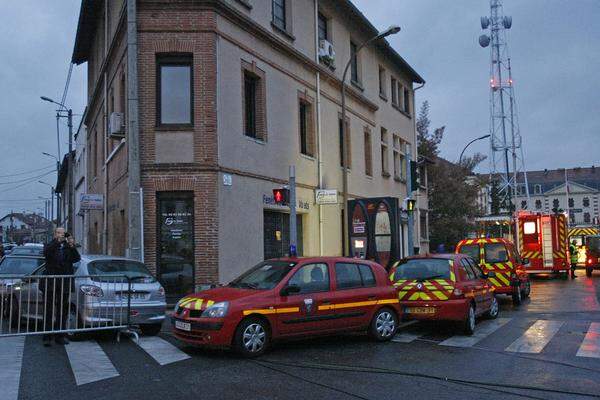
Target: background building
(231, 93)
(25, 228)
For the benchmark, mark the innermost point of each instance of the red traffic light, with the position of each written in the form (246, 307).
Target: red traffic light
(281, 196)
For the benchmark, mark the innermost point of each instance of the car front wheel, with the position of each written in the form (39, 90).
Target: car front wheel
(494, 309)
(252, 337)
(527, 290)
(517, 298)
(383, 325)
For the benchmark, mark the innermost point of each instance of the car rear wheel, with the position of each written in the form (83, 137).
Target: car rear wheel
(252, 337)
(517, 297)
(588, 272)
(494, 309)
(527, 290)
(469, 324)
(150, 329)
(383, 325)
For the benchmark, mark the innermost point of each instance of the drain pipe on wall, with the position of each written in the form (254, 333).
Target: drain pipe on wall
(319, 139)
(416, 153)
(105, 138)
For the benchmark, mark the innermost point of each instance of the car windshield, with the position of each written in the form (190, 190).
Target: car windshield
(136, 271)
(19, 265)
(471, 250)
(423, 269)
(28, 251)
(263, 276)
(495, 253)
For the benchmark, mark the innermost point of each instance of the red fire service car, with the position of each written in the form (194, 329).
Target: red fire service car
(444, 287)
(499, 255)
(290, 298)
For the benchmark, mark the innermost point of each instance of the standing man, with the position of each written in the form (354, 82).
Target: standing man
(60, 254)
(573, 258)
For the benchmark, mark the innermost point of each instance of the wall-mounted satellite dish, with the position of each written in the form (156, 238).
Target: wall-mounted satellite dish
(507, 22)
(484, 40)
(485, 22)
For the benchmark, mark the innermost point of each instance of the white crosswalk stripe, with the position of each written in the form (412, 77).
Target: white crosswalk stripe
(536, 337)
(483, 330)
(590, 347)
(89, 362)
(161, 350)
(406, 337)
(11, 359)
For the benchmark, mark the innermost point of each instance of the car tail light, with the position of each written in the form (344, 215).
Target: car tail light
(161, 291)
(589, 261)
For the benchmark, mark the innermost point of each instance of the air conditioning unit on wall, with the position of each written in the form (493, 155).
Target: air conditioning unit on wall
(326, 53)
(116, 125)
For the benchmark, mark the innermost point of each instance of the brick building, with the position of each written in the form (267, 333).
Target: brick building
(232, 92)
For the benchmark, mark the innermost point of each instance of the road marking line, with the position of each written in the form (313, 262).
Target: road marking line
(536, 337)
(590, 347)
(11, 360)
(89, 362)
(161, 350)
(482, 331)
(406, 337)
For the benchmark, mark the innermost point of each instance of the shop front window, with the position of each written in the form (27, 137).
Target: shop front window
(383, 234)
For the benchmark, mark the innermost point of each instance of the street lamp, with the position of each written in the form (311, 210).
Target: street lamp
(69, 117)
(468, 144)
(392, 30)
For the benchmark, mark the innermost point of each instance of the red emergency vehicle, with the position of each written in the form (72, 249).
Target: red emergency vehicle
(291, 298)
(542, 242)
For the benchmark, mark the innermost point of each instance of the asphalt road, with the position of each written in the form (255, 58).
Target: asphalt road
(549, 348)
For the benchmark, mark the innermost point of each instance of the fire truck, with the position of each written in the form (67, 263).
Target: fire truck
(542, 240)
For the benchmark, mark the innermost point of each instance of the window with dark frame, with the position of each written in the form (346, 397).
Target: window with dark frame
(305, 115)
(344, 143)
(353, 63)
(394, 90)
(384, 153)
(250, 100)
(406, 101)
(123, 97)
(368, 153)
(382, 81)
(278, 11)
(174, 94)
(423, 224)
(323, 30)
(254, 113)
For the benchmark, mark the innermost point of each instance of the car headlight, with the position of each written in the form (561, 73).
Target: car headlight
(217, 310)
(91, 290)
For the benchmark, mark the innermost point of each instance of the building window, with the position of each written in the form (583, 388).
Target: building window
(123, 97)
(353, 63)
(524, 204)
(399, 158)
(382, 85)
(344, 143)
(278, 8)
(368, 153)
(406, 101)
(423, 224)
(587, 218)
(586, 201)
(305, 115)
(555, 203)
(384, 153)
(323, 31)
(394, 90)
(571, 202)
(537, 189)
(174, 90)
(538, 204)
(254, 101)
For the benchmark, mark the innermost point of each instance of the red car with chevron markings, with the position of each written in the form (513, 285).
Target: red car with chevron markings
(446, 287)
(290, 298)
(501, 257)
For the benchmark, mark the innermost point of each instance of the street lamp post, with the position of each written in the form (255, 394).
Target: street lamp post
(53, 193)
(392, 30)
(468, 144)
(69, 117)
(52, 201)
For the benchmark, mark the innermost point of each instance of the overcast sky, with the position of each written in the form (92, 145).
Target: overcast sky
(554, 46)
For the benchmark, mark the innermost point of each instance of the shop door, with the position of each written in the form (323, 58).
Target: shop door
(175, 247)
(277, 234)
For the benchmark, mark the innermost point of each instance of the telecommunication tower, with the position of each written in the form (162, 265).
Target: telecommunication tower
(506, 158)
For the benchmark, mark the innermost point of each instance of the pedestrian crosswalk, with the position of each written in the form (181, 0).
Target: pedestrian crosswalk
(533, 340)
(11, 359)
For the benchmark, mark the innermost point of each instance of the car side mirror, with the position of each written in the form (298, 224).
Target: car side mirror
(490, 274)
(290, 289)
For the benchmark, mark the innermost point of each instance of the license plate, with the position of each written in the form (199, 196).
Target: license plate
(420, 310)
(134, 296)
(184, 326)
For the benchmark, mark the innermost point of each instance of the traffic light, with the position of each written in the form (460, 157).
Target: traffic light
(409, 204)
(281, 196)
(414, 175)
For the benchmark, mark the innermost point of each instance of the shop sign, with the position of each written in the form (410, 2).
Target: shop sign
(358, 227)
(91, 202)
(326, 196)
(176, 223)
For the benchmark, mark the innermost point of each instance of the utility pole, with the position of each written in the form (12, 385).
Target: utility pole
(70, 171)
(293, 228)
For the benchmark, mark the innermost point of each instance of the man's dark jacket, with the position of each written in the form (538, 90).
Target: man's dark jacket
(57, 265)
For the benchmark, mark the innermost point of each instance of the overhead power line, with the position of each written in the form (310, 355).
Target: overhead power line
(28, 172)
(27, 179)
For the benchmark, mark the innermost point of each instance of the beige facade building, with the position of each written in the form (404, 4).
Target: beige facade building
(231, 93)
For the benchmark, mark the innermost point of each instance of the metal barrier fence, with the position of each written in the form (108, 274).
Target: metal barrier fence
(64, 304)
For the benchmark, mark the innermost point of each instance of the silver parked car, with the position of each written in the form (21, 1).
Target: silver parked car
(100, 295)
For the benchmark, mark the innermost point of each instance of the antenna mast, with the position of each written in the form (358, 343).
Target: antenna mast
(505, 137)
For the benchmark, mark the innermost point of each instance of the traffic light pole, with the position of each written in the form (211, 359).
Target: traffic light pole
(293, 228)
(411, 218)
